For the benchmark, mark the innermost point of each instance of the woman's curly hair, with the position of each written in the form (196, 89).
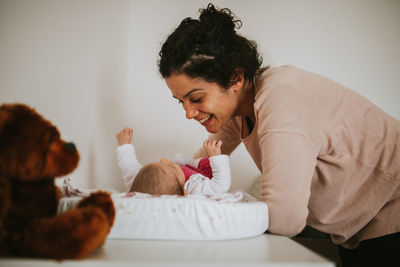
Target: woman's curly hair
(210, 48)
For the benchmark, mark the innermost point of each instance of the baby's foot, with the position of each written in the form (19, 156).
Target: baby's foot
(212, 147)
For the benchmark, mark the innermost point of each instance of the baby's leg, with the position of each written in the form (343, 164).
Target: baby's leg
(212, 147)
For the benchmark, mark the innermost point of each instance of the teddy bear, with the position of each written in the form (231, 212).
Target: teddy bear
(32, 155)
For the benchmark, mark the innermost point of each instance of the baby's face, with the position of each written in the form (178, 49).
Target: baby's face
(173, 169)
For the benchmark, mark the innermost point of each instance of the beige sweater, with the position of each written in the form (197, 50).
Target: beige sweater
(329, 158)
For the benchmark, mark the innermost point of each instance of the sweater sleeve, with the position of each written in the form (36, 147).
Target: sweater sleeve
(128, 163)
(287, 132)
(220, 182)
(288, 162)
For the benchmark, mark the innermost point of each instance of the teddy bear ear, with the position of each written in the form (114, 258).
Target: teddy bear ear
(4, 115)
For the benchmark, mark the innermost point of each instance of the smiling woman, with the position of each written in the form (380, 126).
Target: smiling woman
(329, 157)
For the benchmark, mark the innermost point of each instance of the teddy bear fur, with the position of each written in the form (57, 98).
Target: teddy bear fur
(32, 155)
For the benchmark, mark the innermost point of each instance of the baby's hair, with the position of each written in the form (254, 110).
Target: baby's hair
(210, 48)
(152, 179)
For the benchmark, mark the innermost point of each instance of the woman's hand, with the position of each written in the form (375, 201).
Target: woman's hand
(124, 136)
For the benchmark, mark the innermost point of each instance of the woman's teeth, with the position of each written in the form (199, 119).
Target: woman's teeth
(205, 119)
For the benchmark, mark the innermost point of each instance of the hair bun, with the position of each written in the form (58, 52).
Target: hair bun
(219, 19)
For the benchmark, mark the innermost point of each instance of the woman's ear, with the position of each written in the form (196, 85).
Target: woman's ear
(237, 80)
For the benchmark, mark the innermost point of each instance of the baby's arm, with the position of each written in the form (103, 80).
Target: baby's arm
(210, 147)
(126, 156)
(219, 165)
(219, 183)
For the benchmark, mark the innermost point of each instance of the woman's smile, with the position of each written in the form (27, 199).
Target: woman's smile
(205, 120)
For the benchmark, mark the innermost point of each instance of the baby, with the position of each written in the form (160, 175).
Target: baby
(208, 175)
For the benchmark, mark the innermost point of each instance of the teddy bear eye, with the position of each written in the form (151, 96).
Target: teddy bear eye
(51, 137)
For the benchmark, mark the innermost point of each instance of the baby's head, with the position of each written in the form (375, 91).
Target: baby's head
(160, 178)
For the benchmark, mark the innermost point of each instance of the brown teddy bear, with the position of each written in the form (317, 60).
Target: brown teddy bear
(32, 155)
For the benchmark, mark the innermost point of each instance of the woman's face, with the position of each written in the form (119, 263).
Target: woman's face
(208, 103)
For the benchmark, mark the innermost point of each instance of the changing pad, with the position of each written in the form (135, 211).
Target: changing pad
(192, 217)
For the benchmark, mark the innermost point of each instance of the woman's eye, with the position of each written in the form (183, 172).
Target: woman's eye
(197, 100)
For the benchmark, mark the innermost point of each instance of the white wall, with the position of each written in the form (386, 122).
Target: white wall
(90, 67)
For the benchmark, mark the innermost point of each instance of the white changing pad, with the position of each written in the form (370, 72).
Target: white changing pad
(192, 217)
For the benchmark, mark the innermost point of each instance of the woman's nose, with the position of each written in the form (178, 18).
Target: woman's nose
(190, 111)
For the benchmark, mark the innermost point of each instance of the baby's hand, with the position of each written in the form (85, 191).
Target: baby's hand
(124, 136)
(212, 147)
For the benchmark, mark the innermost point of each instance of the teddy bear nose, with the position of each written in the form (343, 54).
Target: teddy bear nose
(70, 147)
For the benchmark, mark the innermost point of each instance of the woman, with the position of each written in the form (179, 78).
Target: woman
(329, 158)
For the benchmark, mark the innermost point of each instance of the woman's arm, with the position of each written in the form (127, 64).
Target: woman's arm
(288, 162)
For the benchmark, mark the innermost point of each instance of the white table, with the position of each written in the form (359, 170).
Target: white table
(264, 250)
